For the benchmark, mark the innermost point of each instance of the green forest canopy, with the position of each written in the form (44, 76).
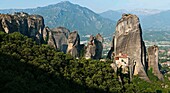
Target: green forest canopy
(26, 67)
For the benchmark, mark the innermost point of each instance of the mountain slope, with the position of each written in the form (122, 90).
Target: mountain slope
(157, 22)
(112, 15)
(151, 20)
(116, 15)
(71, 16)
(140, 12)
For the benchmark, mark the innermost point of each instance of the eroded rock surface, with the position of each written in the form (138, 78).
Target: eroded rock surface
(153, 61)
(29, 25)
(60, 35)
(94, 48)
(48, 37)
(33, 26)
(56, 37)
(111, 51)
(128, 40)
(74, 44)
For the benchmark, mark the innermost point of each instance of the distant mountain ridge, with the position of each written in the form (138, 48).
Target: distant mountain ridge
(112, 15)
(87, 22)
(116, 14)
(141, 12)
(71, 16)
(158, 22)
(151, 20)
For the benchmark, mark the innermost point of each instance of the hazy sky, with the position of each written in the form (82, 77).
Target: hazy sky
(95, 5)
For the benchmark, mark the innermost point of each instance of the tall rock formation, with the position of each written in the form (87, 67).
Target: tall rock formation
(60, 35)
(57, 37)
(94, 48)
(111, 51)
(48, 37)
(153, 61)
(128, 40)
(33, 26)
(29, 25)
(90, 49)
(74, 44)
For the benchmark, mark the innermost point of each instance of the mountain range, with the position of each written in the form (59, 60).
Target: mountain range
(151, 19)
(86, 22)
(71, 16)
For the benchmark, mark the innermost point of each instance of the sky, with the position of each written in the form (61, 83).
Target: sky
(95, 5)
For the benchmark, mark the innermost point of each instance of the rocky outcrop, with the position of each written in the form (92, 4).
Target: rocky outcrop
(74, 44)
(153, 61)
(57, 38)
(60, 35)
(98, 41)
(33, 26)
(90, 48)
(48, 37)
(111, 51)
(29, 25)
(94, 48)
(128, 40)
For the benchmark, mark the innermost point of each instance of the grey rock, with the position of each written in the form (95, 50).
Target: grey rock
(60, 35)
(128, 40)
(153, 61)
(48, 37)
(111, 51)
(90, 48)
(29, 25)
(74, 44)
(56, 37)
(94, 48)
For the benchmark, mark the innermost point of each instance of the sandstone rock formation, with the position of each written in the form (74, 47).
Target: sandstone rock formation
(48, 37)
(98, 41)
(111, 51)
(74, 44)
(153, 61)
(128, 40)
(29, 25)
(33, 26)
(94, 48)
(90, 49)
(60, 35)
(56, 37)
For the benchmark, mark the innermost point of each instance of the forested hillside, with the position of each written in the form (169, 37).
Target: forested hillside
(26, 67)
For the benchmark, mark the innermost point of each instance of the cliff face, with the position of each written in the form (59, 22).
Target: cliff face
(33, 26)
(57, 37)
(153, 61)
(94, 48)
(110, 53)
(29, 25)
(48, 37)
(128, 40)
(73, 44)
(60, 36)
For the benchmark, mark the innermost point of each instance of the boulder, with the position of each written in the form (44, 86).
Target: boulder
(128, 40)
(153, 61)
